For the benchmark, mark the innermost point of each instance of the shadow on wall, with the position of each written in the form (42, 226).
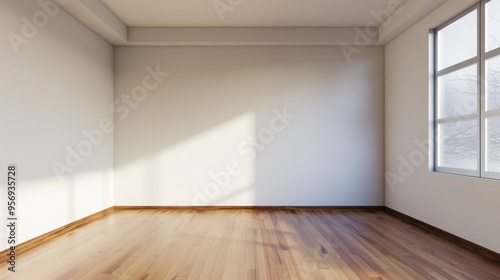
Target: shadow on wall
(57, 81)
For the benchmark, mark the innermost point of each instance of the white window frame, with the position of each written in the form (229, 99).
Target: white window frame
(482, 115)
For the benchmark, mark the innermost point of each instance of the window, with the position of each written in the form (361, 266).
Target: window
(467, 92)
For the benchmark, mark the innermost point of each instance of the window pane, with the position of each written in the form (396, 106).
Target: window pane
(492, 25)
(458, 41)
(457, 93)
(458, 145)
(493, 144)
(493, 83)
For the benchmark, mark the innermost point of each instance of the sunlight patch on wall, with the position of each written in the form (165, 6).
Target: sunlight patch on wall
(213, 167)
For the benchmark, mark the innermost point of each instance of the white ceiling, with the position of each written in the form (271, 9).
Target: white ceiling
(249, 13)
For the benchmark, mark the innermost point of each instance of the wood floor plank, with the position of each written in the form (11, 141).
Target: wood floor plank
(251, 244)
(260, 255)
(218, 267)
(210, 240)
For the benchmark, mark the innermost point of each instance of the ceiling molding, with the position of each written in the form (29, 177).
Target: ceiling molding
(97, 16)
(406, 16)
(256, 36)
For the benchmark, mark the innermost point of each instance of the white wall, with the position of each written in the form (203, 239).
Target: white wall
(467, 207)
(198, 119)
(58, 84)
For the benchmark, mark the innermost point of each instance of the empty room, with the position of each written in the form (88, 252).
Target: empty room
(250, 139)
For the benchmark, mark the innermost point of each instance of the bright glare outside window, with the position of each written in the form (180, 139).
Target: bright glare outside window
(467, 92)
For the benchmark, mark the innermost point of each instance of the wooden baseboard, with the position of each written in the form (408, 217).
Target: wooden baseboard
(449, 236)
(37, 241)
(272, 208)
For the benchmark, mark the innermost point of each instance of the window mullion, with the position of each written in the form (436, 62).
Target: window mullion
(458, 66)
(433, 131)
(482, 88)
(491, 53)
(462, 118)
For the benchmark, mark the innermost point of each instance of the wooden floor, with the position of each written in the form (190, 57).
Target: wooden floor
(251, 244)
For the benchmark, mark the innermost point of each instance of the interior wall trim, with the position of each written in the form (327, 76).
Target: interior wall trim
(478, 249)
(49, 236)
